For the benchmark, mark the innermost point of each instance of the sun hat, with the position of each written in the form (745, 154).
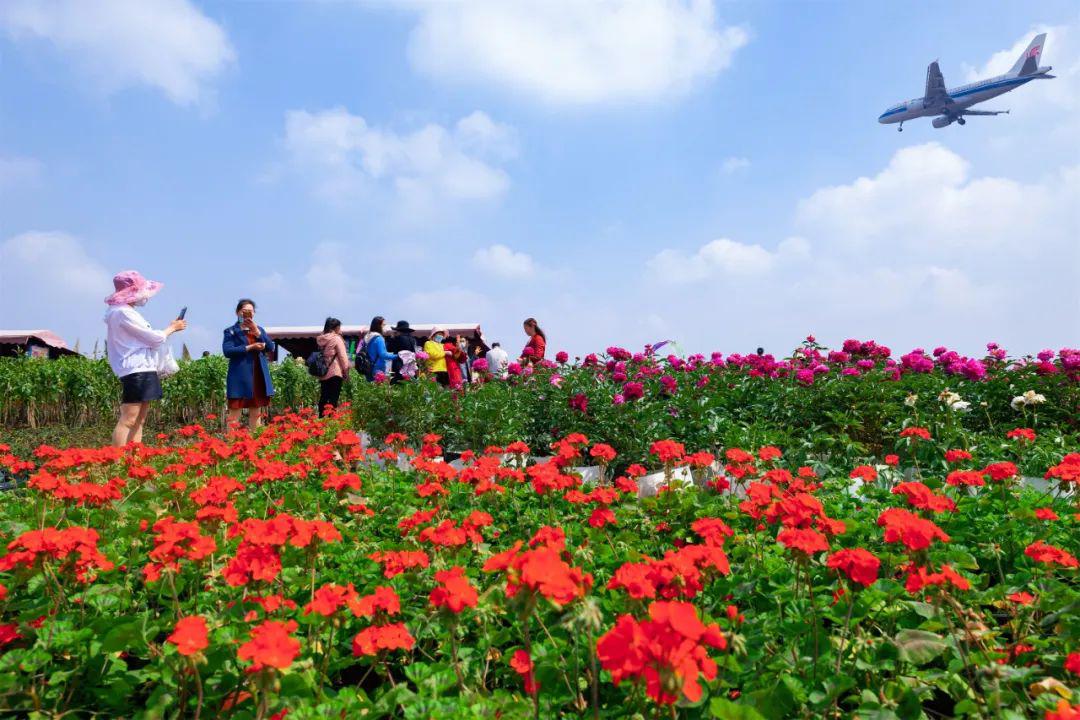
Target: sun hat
(131, 287)
(402, 327)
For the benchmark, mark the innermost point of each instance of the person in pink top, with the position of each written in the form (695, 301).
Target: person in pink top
(332, 346)
(537, 345)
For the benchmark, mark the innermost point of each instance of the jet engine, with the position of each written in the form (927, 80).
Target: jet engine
(942, 121)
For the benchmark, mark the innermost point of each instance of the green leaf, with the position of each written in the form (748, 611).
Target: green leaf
(919, 646)
(727, 710)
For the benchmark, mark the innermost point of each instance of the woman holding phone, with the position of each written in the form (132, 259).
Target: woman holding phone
(133, 347)
(248, 385)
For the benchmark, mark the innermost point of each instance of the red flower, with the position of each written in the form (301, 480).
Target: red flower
(1066, 471)
(667, 451)
(972, 478)
(271, 645)
(601, 517)
(913, 531)
(923, 498)
(920, 578)
(769, 452)
(1050, 555)
(384, 599)
(522, 664)
(395, 562)
(455, 593)
(1064, 711)
(1001, 471)
(892, 460)
(915, 432)
(1072, 663)
(1022, 434)
(803, 540)
(379, 638)
(954, 456)
(1021, 598)
(330, 598)
(669, 651)
(865, 472)
(190, 635)
(603, 453)
(1046, 514)
(859, 565)
(9, 633)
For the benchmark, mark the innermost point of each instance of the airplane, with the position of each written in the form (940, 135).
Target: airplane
(952, 104)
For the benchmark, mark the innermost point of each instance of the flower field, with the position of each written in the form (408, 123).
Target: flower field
(896, 542)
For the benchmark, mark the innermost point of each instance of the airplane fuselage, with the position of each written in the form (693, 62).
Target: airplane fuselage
(963, 97)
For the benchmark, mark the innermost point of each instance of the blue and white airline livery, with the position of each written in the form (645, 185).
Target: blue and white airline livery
(949, 105)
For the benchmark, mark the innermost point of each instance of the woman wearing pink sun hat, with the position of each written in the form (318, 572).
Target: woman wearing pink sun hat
(132, 346)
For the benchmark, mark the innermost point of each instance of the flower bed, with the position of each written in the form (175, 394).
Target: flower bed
(297, 573)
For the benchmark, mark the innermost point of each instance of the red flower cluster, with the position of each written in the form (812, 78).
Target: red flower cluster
(271, 646)
(79, 493)
(75, 547)
(669, 651)
(175, 541)
(542, 571)
(522, 664)
(908, 528)
(455, 592)
(804, 540)
(860, 566)
(920, 578)
(190, 635)
(382, 638)
(921, 497)
(1049, 555)
(681, 573)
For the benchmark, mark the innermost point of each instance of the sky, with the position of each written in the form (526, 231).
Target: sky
(624, 171)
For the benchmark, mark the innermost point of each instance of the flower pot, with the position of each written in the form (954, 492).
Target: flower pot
(590, 474)
(649, 485)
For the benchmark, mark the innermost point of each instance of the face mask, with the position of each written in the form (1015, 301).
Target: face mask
(141, 301)
(438, 338)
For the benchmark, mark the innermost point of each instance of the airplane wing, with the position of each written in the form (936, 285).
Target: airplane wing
(935, 94)
(984, 112)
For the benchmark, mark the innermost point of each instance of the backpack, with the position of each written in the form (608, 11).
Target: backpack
(364, 366)
(316, 364)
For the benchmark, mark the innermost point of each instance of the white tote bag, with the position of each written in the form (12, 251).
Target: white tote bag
(166, 363)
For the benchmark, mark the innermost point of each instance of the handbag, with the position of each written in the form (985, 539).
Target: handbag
(166, 363)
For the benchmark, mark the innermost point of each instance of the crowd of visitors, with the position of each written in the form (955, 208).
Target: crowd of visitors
(140, 357)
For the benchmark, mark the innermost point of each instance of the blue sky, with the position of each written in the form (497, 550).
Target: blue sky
(624, 171)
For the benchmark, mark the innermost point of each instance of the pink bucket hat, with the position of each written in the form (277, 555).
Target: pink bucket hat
(131, 287)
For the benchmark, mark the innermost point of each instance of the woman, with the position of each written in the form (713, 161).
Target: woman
(436, 356)
(375, 347)
(248, 385)
(537, 345)
(332, 346)
(402, 345)
(455, 355)
(133, 347)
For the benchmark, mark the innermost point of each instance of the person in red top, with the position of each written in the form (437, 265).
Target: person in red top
(455, 355)
(537, 345)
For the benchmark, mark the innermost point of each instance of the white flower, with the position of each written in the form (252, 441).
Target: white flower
(960, 406)
(1029, 398)
(911, 399)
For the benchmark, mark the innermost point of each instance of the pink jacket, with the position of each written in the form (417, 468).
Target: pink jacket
(333, 349)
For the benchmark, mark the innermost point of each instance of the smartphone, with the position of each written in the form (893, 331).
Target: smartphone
(183, 312)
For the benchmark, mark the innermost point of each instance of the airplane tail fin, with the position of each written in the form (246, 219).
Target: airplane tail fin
(1028, 62)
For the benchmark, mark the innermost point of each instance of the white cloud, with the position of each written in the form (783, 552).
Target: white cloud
(19, 172)
(925, 251)
(566, 51)
(270, 283)
(344, 158)
(925, 202)
(502, 261)
(47, 280)
(720, 259)
(734, 164)
(167, 44)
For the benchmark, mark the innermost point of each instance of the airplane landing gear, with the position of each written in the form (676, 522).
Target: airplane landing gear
(961, 121)
(901, 128)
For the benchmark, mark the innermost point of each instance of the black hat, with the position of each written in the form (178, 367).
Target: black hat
(402, 327)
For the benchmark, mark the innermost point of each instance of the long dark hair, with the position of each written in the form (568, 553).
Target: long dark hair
(376, 324)
(531, 322)
(331, 324)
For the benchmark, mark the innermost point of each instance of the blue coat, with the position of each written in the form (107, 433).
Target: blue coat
(240, 383)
